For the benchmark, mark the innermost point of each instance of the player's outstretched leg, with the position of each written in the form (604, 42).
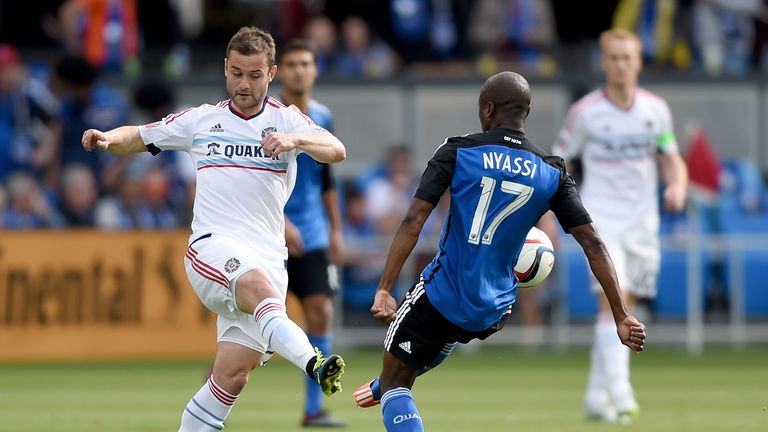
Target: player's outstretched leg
(289, 340)
(256, 295)
(210, 406)
(369, 394)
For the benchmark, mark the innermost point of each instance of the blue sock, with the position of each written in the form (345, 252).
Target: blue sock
(313, 402)
(376, 385)
(399, 411)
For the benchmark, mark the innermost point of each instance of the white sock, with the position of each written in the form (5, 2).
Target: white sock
(283, 335)
(615, 359)
(596, 396)
(207, 409)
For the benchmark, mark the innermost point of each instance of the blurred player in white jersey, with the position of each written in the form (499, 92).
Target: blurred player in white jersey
(624, 137)
(244, 150)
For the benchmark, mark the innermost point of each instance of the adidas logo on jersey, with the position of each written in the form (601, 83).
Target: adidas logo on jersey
(406, 346)
(216, 128)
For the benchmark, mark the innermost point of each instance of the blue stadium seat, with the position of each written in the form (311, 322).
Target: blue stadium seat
(582, 305)
(755, 268)
(671, 303)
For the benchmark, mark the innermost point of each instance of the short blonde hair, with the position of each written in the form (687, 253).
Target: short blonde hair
(253, 40)
(622, 34)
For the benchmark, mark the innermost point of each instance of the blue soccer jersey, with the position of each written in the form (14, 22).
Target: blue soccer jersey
(305, 206)
(500, 186)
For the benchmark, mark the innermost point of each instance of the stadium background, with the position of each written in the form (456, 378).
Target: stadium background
(91, 249)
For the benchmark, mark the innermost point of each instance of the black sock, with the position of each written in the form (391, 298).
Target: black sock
(310, 368)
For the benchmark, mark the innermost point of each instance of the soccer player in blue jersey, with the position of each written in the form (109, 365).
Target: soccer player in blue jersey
(313, 222)
(500, 186)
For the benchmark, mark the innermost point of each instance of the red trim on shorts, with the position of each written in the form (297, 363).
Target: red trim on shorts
(206, 270)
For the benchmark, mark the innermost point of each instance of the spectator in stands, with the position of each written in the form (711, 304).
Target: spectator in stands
(364, 258)
(723, 34)
(87, 104)
(104, 32)
(362, 54)
(155, 187)
(156, 100)
(28, 126)
(321, 34)
(27, 206)
(518, 30)
(78, 195)
(127, 210)
(387, 197)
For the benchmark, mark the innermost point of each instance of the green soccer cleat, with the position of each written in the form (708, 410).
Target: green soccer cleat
(327, 372)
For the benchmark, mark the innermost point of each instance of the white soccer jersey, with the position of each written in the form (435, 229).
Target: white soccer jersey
(241, 192)
(618, 151)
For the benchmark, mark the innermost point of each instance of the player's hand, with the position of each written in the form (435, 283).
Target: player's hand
(293, 240)
(674, 198)
(94, 139)
(384, 306)
(336, 248)
(275, 143)
(632, 333)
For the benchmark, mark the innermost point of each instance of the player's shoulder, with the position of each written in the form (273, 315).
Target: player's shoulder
(205, 108)
(583, 106)
(277, 107)
(649, 98)
(589, 100)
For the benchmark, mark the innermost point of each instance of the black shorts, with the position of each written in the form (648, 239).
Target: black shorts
(309, 274)
(419, 331)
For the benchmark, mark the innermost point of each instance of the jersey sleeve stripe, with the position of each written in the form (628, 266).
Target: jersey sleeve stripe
(306, 117)
(173, 117)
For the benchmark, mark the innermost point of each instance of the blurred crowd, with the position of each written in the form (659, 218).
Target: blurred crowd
(380, 39)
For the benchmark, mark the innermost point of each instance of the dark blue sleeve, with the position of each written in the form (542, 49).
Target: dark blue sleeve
(438, 175)
(566, 202)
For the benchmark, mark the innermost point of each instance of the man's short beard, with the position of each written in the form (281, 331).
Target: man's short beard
(258, 101)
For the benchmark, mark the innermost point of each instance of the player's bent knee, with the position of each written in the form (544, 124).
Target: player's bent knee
(232, 379)
(251, 288)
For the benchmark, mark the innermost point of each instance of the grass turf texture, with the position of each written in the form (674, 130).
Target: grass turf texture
(493, 389)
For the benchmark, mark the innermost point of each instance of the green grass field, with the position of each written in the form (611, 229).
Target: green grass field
(493, 389)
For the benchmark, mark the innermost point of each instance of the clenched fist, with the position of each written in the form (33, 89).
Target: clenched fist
(95, 139)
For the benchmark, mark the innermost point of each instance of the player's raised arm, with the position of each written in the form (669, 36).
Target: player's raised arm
(120, 141)
(631, 331)
(384, 305)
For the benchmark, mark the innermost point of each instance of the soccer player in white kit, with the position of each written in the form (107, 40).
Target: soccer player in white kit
(625, 140)
(244, 150)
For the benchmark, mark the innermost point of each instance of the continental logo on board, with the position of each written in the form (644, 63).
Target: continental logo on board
(84, 278)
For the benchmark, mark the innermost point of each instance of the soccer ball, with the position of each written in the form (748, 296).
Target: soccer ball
(537, 257)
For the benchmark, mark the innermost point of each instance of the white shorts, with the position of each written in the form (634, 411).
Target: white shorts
(636, 255)
(213, 264)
